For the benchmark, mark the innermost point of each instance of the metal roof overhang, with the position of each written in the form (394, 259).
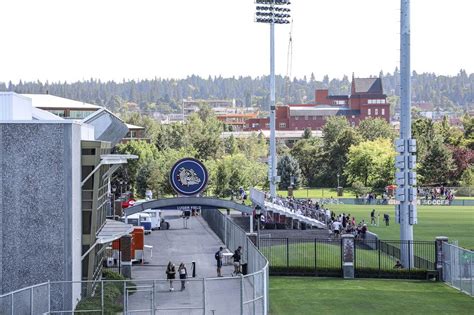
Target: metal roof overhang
(110, 231)
(110, 159)
(113, 230)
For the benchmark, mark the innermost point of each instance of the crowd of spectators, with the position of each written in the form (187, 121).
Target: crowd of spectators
(436, 193)
(305, 207)
(337, 224)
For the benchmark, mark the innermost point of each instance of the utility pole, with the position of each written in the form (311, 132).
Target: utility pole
(405, 212)
(271, 12)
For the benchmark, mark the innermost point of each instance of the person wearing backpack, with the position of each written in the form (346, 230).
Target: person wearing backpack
(218, 257)
(170, 274)
(237, 256)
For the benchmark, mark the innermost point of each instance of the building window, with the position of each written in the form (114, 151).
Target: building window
(315, 117)
(383, 111)
(88, 151)
(79, 114)
(58, 112)
(369, 112)
(376, 111)
(339, 102)
(376, 101)
(282, 125)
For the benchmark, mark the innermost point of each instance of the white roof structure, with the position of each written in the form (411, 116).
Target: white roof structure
(280, 134)
(130, 126)
(113, 230)
(48, 101)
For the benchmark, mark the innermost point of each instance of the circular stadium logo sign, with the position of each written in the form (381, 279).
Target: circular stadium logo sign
(188, 177)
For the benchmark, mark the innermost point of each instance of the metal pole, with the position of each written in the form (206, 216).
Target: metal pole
(241, 295)
(273, 156)
(204, 295)
(31, 301)
(49, 296)
(102, 296)
(153, 297)
(406, 194)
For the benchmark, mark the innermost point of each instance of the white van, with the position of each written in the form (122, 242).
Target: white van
(155, 217)
(140, 219)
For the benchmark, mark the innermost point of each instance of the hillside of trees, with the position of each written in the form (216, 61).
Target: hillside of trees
(454, 93)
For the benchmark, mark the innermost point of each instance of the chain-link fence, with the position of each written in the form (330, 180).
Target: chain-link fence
(256, 265)
(458, 268)
(31, 300)
(244, 294)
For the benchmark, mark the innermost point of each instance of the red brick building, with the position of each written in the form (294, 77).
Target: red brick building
(366, 100)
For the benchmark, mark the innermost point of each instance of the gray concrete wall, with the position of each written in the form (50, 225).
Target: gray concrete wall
(37, 169)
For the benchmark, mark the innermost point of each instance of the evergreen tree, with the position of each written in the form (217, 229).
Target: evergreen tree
(436, 166)
(287, 168)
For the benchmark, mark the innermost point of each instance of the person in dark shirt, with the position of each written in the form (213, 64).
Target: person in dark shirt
(237, 256)
(398, 265)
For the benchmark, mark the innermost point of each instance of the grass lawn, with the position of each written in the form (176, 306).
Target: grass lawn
(455, 222)
(338, 296)
(327, 256)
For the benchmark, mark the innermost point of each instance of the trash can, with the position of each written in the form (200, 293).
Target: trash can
(244, 269)
(340, 191)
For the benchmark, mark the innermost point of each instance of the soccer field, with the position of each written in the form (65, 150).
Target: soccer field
(338, 296)
(455, 222)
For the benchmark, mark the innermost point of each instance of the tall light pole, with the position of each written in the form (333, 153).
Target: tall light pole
(405, 212)
(272, 12)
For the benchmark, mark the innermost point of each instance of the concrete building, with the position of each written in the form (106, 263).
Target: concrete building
(220, 107)
(236, 121)
(365, 101)
(54, 195)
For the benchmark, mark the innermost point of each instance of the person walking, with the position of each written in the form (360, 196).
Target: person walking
(372, 217)
(171, 274)
(218, 257)
(237, 256)
(183, 274)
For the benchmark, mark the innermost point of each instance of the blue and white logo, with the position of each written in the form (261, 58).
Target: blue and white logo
(188, 177)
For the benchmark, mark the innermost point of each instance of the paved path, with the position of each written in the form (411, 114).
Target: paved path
(196, 243)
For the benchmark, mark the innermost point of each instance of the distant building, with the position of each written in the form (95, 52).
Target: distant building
(365, 101)
(62, 107)
(236, 121)
(135, 133)
(71, 109)
(220, 107)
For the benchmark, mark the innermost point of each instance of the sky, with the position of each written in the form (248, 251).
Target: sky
(70, 40)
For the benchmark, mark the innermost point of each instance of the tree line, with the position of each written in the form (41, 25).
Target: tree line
(359, 157)
(454, 93)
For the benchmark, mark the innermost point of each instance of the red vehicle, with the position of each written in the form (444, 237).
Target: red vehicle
(128, 203)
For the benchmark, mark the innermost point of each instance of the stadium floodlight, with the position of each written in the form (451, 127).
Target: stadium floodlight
(272, 12)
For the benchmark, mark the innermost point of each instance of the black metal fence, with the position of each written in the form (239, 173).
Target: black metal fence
(322, 257)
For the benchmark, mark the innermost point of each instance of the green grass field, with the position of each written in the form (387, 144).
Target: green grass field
(327, 256)
(338, 296)
(455, 222)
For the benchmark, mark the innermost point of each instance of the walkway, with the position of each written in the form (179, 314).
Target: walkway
(196, 243)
